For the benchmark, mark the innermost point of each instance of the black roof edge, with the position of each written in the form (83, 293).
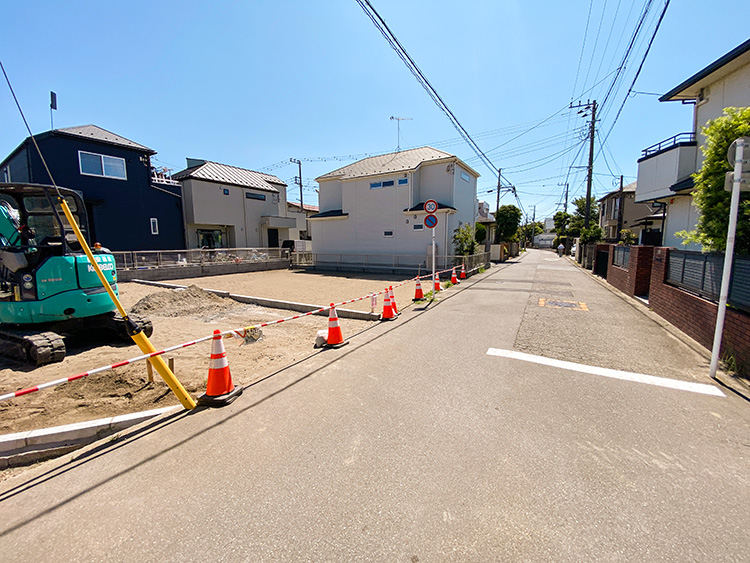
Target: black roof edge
(713, 67)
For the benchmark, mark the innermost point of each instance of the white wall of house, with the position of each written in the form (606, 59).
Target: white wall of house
(732, 90)
(236, 209)
(376, 222)
(682, 216)
(657, 173)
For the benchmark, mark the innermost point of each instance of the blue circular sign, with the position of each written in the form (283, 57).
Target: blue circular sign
(430, 221)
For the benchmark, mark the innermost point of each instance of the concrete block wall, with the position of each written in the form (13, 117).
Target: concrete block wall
(696, 316)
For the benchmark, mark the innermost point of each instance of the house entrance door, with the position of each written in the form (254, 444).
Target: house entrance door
(273, 238)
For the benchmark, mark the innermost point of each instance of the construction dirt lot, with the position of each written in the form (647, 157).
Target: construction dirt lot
(180, 316)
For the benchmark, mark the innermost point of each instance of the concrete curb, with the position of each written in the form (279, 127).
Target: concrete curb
(731, 382)
(272, 303)
(22, 448)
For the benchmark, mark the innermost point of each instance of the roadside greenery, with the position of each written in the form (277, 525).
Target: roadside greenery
(627, 237)
(507, 219)
(575, 228)
(464, 241)
(481, 233)
(709, 195)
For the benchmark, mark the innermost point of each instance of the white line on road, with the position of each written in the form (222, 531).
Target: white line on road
(613, 373)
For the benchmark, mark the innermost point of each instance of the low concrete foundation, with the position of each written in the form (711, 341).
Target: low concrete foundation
(273, 303)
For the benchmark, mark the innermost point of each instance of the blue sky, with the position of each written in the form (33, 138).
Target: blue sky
(252, 84)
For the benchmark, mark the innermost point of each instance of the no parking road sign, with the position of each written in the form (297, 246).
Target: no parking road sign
(430, 221)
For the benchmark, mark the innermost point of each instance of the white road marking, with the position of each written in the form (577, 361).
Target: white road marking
(613, 373)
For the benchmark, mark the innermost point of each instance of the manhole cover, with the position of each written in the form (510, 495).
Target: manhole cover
(557, 304)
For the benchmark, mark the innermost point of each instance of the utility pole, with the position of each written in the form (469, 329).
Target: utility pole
(566, 199)
(497, 205)
(620, 210)
(398, 121)
(590, 178)
(299, 178)
(533, 225)
(592, 128)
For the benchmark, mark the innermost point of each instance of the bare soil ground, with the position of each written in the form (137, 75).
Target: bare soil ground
(181, 316)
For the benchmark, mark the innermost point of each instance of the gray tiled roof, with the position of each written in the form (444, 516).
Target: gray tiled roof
(225, 174)
(393, 162)
(102, 135)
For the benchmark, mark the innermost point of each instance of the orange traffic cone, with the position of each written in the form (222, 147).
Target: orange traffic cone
(418, 294)
(454, 279)
(463, 272)
(335, 336)
(220, 390)
(387, 309)
(393, 300)
(437, 287)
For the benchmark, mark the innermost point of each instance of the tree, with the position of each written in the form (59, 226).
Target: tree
(577, 221)
(530, 230)
(464, 240)
(507, 219)
(592, 234)
(709, 195)
(561, 222)
(481, 233)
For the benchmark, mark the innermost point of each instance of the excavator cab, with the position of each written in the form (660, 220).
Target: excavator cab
(48, 287)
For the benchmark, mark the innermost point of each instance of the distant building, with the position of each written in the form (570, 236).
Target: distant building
(302, 230)
(231, 207)
(376, 206)
(128, 205)
(619, 209)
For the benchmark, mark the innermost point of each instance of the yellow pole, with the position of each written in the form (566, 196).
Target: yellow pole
(139, 338)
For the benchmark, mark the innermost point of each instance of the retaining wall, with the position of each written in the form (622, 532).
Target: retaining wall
(696, 316)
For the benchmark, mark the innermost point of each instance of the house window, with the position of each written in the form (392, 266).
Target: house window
(403, 181)
(388, 183)
(154, 226)
(464, 176)
(418, 227)
(226, 191)
(92, 164)
(387, 233)
(376, 185)
(259, 197)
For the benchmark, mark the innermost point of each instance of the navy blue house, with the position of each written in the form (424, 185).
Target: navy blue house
(129, 207)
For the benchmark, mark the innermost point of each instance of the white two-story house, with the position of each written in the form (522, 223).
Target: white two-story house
(375, 207)
(665, 170)
(230, 207)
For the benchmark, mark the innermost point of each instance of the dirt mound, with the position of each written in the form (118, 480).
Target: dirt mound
(192, 301)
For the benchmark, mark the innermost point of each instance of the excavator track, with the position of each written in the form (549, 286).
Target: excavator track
(38, 348)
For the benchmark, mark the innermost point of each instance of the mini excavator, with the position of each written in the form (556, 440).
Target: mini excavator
(48, 288)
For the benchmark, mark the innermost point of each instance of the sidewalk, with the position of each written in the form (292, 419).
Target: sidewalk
(733, 382)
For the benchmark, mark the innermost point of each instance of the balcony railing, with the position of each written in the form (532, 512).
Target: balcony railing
(667, 143)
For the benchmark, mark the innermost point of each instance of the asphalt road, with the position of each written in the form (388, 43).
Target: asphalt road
(414, 444)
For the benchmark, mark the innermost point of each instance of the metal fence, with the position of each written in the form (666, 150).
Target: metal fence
(142, 259)
(621, 256)
(701, 274)
(411, 262)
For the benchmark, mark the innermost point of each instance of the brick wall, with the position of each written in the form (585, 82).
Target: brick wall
(636, 280)
(696, 316)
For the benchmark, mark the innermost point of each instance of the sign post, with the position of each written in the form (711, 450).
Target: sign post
(431, 221)
(736, 156)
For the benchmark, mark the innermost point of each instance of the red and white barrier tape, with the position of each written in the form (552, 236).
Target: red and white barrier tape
(241, 332)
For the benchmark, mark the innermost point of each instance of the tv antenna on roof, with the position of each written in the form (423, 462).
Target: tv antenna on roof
(398, 121)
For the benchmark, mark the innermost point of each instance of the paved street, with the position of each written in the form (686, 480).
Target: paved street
(413, 443)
